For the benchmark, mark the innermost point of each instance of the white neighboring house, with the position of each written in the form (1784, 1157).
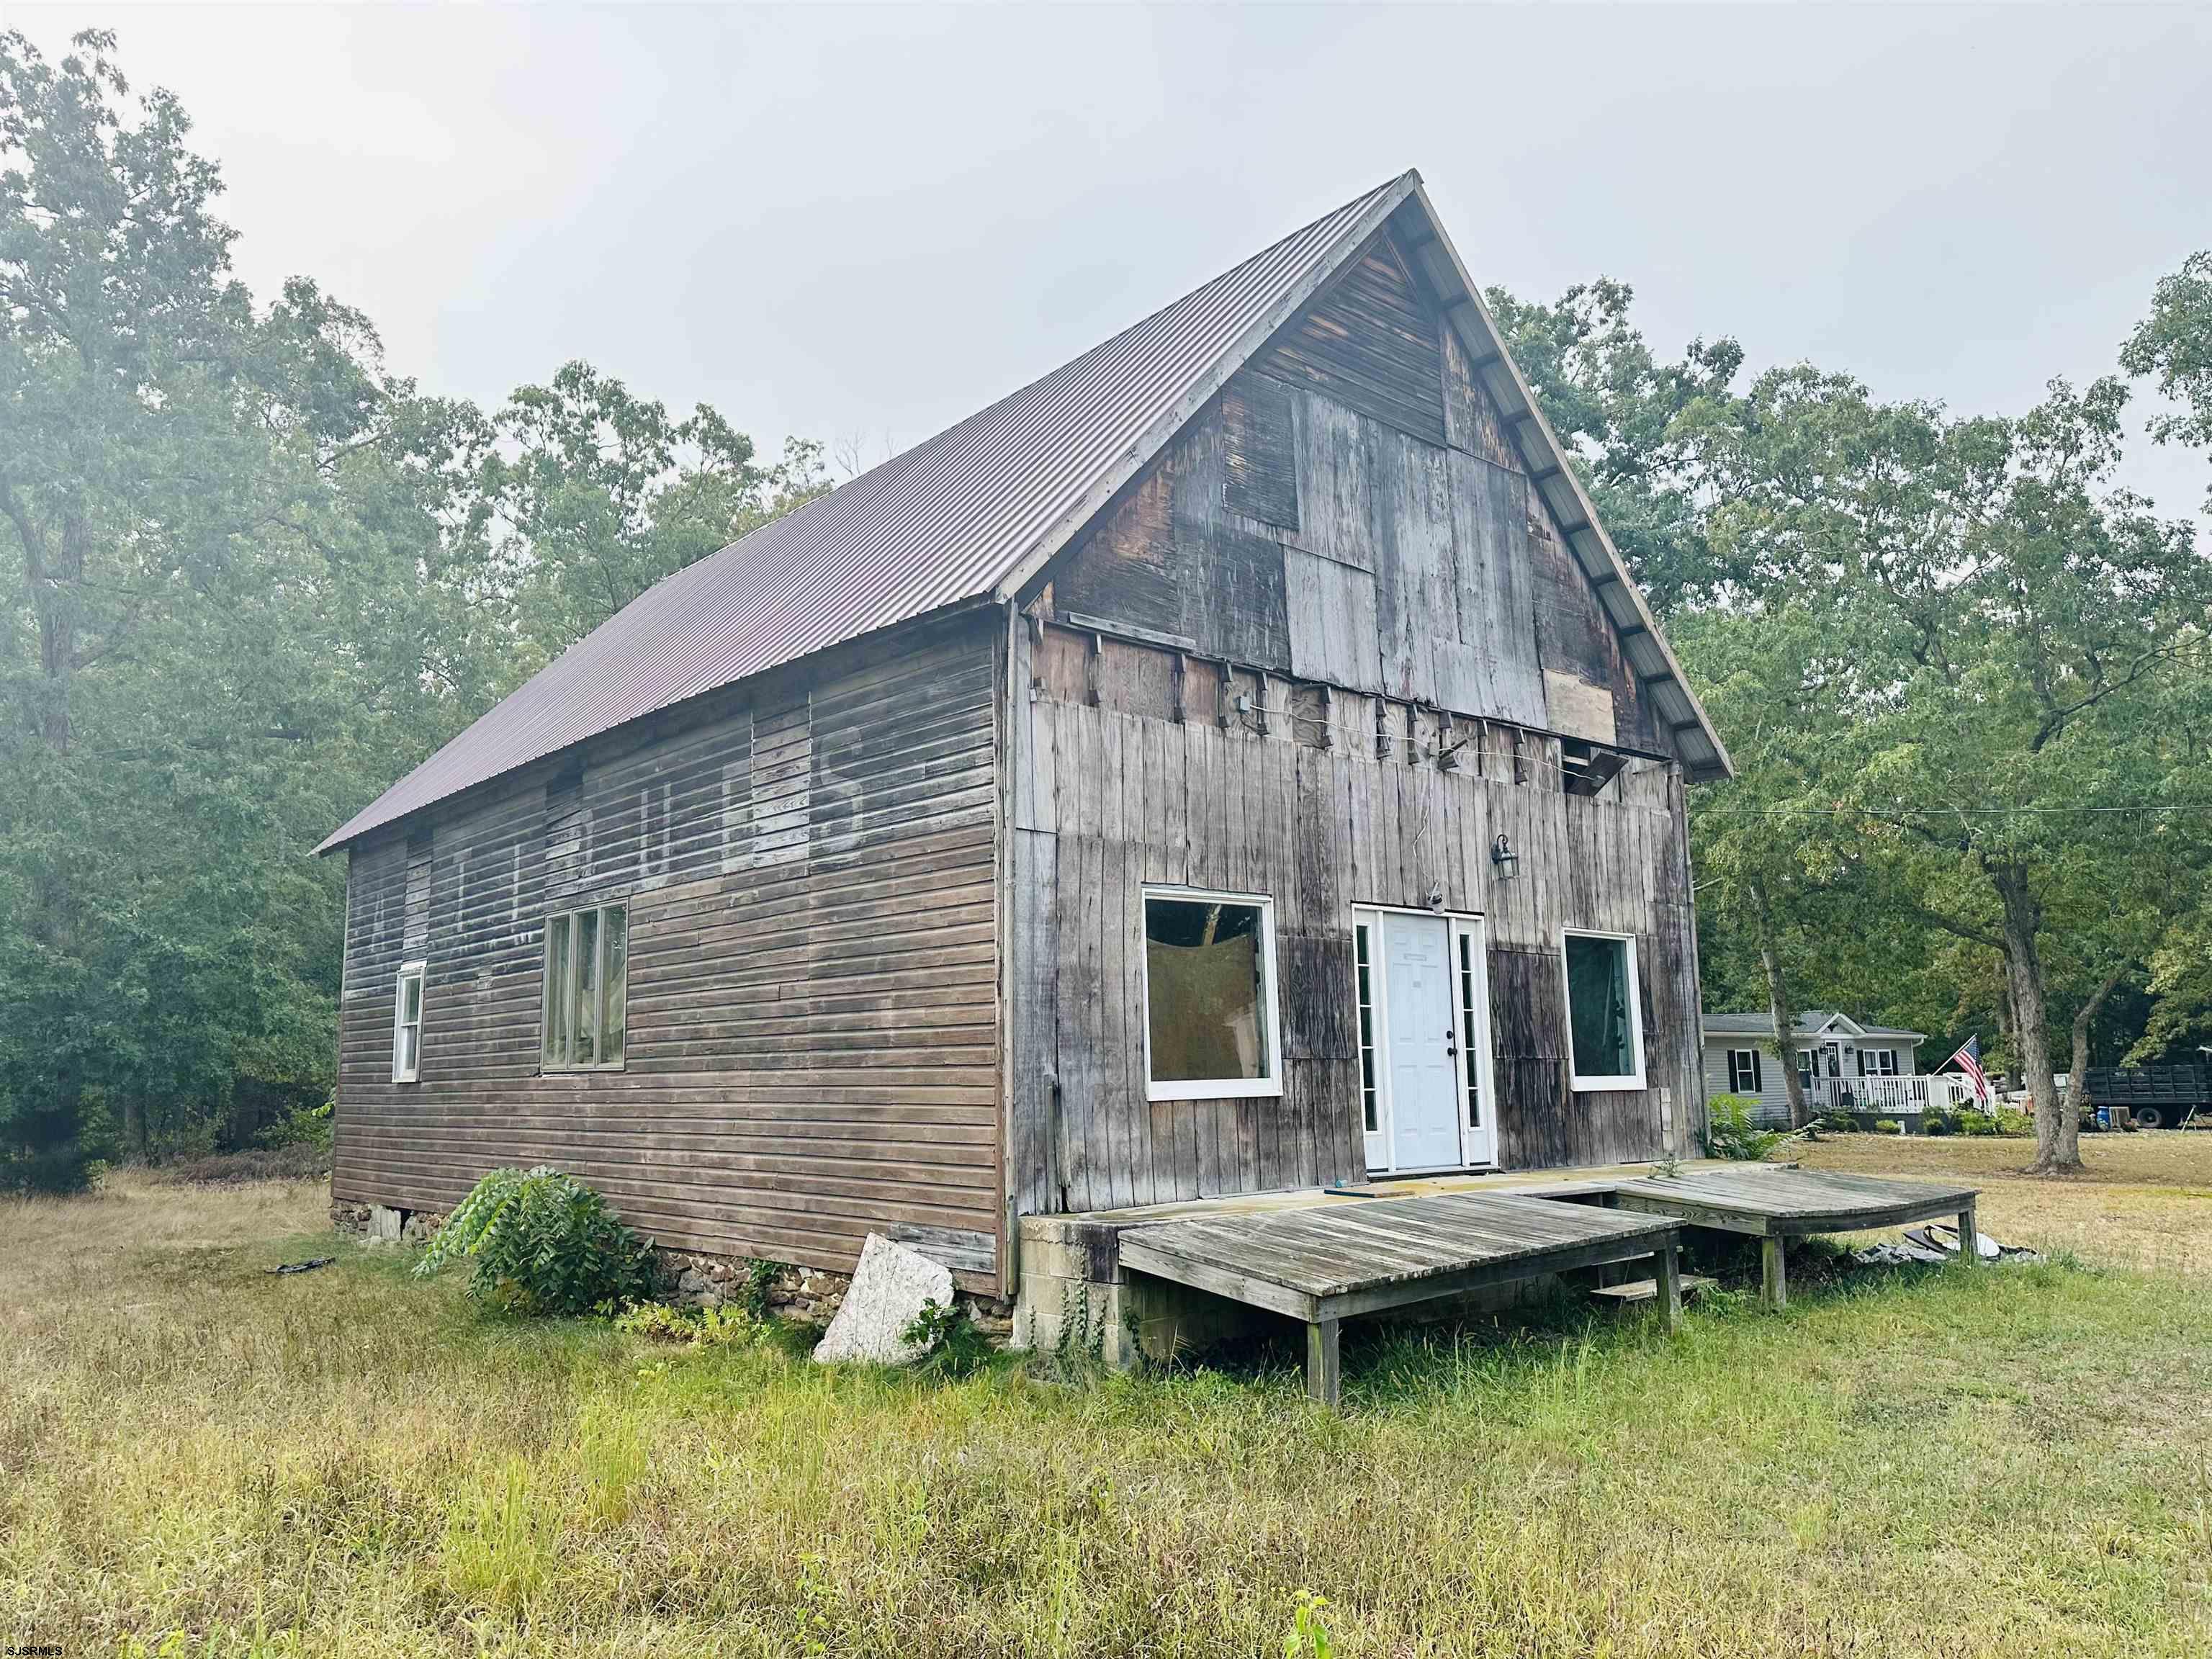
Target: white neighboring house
(1844, 1065)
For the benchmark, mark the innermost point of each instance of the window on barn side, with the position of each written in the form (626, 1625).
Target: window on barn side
(1210, 1031)
(587, 988)
(1604, 1028)
(407, 1024)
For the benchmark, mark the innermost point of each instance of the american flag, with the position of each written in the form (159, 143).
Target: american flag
(1969, 1060)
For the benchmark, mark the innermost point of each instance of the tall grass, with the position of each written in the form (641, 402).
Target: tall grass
(347, 1460)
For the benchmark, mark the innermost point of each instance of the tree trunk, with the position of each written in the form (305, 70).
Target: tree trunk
(2007, 1018)
(2057, 1141)
(2077, 1078)
(1778, 1001)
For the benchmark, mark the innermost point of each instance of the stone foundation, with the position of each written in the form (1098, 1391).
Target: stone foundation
(379, 1223)
(692, 1278)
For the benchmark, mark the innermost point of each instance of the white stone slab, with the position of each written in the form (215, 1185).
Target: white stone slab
(889, 1290)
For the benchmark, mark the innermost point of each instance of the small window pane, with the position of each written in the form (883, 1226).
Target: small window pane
(1466, 1046)
(556, 991)
(1598, 1012)
(1366, 1029)
(414, 996)
(1205, 997)
(587, 988)
(617, 926)
(409, 1039)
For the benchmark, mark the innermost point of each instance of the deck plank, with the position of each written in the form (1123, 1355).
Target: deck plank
(1337, 1250)
(1787, 1203)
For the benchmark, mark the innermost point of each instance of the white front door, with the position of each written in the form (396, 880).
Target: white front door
(1423, 1042)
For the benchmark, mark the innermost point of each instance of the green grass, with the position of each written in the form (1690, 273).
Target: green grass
(350, 1461)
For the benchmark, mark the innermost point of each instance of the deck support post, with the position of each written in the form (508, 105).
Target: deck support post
(1970, 1239)
(1324, 1372)
(1670, 1285)
(1773, 1276)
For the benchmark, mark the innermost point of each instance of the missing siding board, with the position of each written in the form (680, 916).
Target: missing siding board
(1585, 769)
(416, 928)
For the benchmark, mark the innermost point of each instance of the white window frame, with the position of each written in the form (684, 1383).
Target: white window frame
(420, 973)
(1633, 1080)
(1270, 1086)
(1753, 1068)
(1885, 1062)
(547, 1069)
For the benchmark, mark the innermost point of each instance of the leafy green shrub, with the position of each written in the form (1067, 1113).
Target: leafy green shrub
(542, 1242)
(2010, 1122)
(1729, 1132)
(760, 1280)
(1976, 1123)
(1837, 1123)
(1937, 1123)
(1888, 1125)
(952, 1344)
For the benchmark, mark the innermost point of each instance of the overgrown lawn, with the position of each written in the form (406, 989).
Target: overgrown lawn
(350, 1461)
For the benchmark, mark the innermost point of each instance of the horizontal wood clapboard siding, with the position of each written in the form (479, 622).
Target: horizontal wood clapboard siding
(814, 1045)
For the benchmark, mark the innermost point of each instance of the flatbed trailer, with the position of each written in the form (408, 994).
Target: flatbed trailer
(2152, 1096)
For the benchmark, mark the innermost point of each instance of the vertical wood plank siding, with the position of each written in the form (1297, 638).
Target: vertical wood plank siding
(1119, 794)
(1348, 538)
(814, 1045)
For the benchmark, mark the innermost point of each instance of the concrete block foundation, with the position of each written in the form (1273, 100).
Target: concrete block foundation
(1075, 1293)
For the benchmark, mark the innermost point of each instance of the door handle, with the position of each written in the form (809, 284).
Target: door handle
(1451, 1043)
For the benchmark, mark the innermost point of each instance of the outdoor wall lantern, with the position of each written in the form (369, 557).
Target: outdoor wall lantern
(1503, 859)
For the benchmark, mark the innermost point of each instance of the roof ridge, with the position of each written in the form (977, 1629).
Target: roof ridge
(975, 511)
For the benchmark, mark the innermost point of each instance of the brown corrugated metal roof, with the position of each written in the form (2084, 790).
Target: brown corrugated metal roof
(939, 524)
(966, 514)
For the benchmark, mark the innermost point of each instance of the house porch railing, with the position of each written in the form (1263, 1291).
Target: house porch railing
(1893, 1096)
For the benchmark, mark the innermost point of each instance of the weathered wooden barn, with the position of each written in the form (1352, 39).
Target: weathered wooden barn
(1238, 761)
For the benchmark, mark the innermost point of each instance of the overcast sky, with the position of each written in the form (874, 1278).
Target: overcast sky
(849, 222)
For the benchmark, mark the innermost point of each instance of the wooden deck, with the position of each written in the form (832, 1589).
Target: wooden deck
(1327, 1263)
(1777, 1205)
